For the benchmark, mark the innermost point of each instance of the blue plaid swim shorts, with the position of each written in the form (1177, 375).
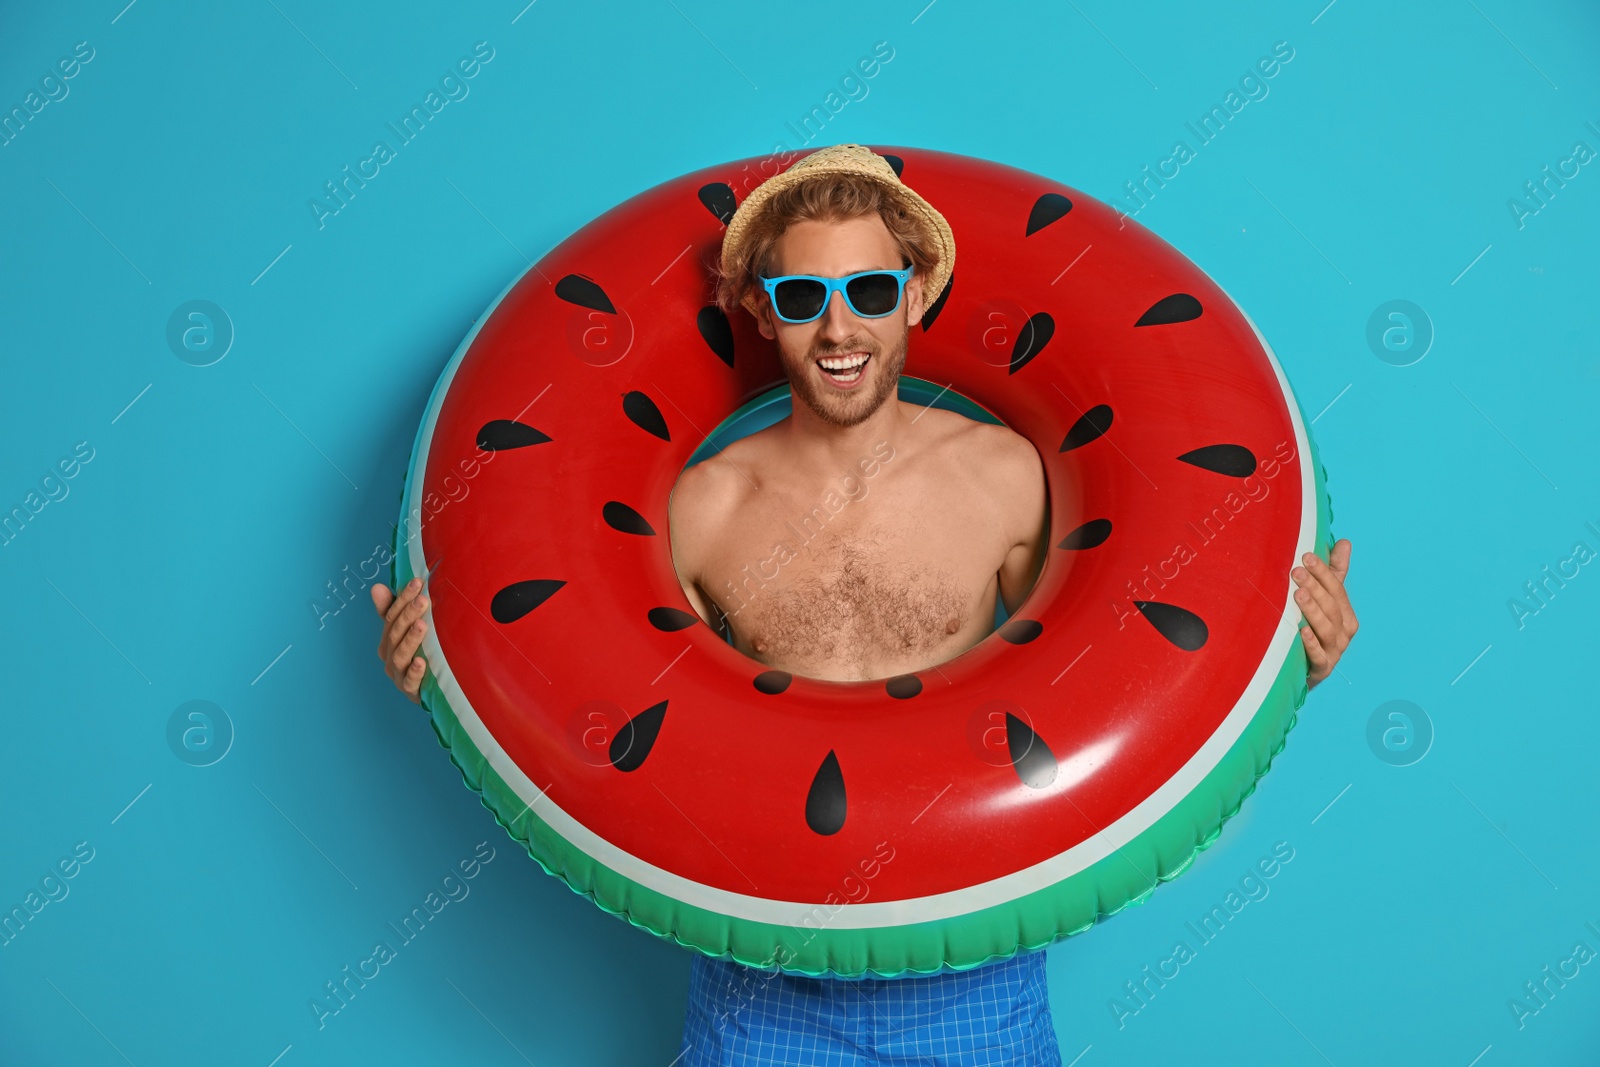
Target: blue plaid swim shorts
(989, 1016)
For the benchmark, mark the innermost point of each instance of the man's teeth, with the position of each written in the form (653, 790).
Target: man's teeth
(843, 362)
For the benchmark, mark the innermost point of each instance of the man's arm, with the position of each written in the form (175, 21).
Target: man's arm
(689, 519)
(1025, 505)
(707, 609)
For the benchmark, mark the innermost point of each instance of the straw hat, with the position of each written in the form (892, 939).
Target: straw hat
(842, 159)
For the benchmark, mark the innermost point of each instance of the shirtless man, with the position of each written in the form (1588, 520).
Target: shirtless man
(906, 575)
(945, 514)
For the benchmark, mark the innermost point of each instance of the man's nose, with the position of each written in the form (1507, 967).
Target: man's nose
(838, 321)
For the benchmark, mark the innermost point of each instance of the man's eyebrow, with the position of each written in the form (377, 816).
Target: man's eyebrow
(846, 274)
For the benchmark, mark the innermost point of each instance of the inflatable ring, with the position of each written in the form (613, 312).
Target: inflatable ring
(1048, 777)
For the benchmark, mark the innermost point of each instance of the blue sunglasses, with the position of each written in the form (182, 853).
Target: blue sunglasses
(871, 294)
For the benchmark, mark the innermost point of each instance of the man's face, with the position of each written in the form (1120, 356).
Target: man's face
(833, 250)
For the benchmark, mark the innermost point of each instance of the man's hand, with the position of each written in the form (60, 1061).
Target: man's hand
(1326, 606)
(402, 635)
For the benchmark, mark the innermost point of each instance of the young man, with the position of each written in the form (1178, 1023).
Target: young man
(951, 517)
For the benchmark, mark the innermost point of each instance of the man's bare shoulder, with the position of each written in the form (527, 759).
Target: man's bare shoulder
(1012, 454)
(989, 450)
(710, 486)
(708, 495)
(1003, 469)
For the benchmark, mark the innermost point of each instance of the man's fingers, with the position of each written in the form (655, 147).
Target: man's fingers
(402, 622)
(1325, 590)
(1337, 601)
(401, 635)
(1347, 614)
(1330, 622)
(391, 632)
(404, 597)
(1339, 558)
(403, 629)
(1317, 615)
(1316, 655)
(1327, 577)
(406, 647)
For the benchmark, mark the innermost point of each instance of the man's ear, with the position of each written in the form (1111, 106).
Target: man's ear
(914, 304)
(763, 317)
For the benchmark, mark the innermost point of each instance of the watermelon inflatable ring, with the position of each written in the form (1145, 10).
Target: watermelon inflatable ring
(1047, 778)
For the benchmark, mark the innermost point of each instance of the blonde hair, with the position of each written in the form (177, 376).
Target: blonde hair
(826, 198)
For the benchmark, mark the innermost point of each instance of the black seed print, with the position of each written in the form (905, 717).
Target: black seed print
(634, 741)
(938, 305)
(623, 519)
(718, 199)
(773, 682)
(1091, 425)
(1236, 461)
(903, 686)
(643, 413)
(519, 598)
(1179, 625)
(896, 164)
(671, 620)
(1032, 759)
(1047, 209)
(714, 328)
(576, 289)
(1031, 339)
(1021, 631)
(1091, 534)
(825, 806)
(1179, 307)
(501, 434)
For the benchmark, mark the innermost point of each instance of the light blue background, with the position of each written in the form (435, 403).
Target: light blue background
(185, 558)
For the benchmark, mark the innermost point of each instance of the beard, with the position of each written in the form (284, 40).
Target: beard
(845, 409)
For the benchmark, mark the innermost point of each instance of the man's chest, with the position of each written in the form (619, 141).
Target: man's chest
(858, 587)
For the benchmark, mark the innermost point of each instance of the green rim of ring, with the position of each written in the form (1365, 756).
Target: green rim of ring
(1128, 876)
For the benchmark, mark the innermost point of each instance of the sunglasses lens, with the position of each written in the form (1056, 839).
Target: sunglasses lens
(799, 298)
(874, 294)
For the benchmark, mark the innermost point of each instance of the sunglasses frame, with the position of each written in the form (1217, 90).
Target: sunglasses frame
(837, 285)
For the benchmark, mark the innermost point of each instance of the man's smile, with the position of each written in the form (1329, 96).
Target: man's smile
(846, 368)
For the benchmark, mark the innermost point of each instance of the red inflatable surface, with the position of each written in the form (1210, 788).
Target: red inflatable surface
(1178, 502)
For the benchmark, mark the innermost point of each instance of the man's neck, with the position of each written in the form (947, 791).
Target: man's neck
(813, 445)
